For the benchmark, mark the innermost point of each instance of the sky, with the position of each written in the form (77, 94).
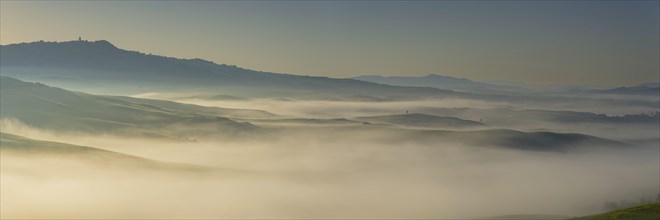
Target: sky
(607, 43)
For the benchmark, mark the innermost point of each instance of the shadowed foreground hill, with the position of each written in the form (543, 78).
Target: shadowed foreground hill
(30, 148)
(53, 108)
(643, 212)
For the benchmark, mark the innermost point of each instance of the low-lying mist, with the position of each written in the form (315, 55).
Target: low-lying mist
(329, 108)
(492, 113)
(304, 172)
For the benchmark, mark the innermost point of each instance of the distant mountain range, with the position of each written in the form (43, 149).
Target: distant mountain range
(646, 89)
(101, 67)
(442, 82)
(466, 85)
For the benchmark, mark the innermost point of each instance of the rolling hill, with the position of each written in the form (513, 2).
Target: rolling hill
(31, 148)
(184, 108)
(53, 108)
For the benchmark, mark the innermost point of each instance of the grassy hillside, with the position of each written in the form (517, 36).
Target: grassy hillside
(643, 212)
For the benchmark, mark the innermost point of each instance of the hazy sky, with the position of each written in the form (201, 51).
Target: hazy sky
(548, 42)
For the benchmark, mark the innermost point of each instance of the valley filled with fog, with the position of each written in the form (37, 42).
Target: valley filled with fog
(167, 155)
(331, 109)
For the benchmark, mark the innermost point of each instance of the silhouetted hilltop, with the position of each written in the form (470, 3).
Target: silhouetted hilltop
(97, 55)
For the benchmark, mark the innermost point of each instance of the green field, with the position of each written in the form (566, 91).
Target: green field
(643, 212)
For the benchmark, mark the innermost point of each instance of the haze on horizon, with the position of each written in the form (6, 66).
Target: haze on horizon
(610, 43)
